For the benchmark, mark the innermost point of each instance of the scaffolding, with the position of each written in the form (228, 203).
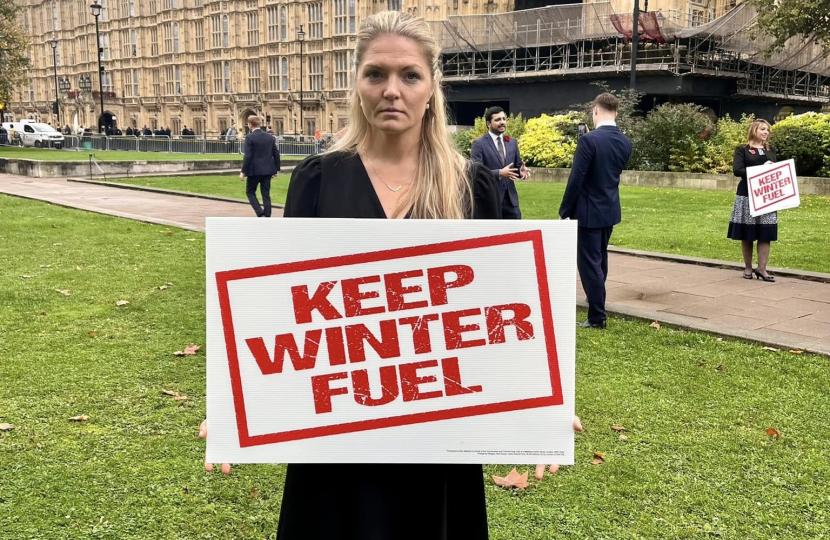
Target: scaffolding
(590, 40)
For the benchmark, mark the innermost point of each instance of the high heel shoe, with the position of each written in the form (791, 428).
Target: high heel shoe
(749, 275)
(759, 275)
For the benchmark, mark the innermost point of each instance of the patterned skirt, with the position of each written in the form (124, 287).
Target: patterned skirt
(743, 226)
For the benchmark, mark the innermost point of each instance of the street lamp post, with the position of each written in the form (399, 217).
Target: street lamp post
(96, 12)
(56, 109)
(635, 39)
(331, 124)
(295, 123)
(301, 38)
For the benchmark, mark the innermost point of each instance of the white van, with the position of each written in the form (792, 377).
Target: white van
(34, 134)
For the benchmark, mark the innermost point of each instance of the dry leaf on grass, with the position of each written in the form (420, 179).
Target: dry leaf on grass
(91, 334)
(46, 266)
(655, 325)
(512, 480)
(175, 395)
(82, 418)
(623, 438)
(42, 313)
(599, 458)
(797, 352)
(162, 287)
(618, 428)
(772, 432)
(720, 368)
(193, 239)
(169, 233)
(58, 244)
(169, 284)
(6, 427)
(596, 462)
(771, 349)
(188, 351)
(27, 277)
(720, 339)
(701, 363)
(65, 293)
(121, 303)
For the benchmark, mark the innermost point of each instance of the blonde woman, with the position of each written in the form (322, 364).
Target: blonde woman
(742, 226)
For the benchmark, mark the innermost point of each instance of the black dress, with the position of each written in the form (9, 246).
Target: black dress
(742, 226)
(377, 501)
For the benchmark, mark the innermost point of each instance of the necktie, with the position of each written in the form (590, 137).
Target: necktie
(501, 150)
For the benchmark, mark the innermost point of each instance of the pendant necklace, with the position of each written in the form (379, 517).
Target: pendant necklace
(393, 190)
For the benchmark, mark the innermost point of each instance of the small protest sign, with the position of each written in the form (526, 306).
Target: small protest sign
(772, 187)
(390, 341)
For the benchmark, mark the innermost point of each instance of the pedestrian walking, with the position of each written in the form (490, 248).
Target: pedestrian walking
(260, 163)
(592, 197)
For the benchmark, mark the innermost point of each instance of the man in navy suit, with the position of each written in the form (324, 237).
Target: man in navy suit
(592, 197)
(500, 154)
(261, 162)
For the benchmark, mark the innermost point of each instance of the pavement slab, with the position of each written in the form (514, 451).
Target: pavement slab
(696, 294)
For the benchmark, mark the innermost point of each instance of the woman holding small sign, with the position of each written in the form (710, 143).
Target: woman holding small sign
(395, 160)
(742, 226)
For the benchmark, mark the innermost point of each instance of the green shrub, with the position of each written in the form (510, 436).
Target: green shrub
(464, 142)
(804, 138)
(550, 141)
(719, 149)
(672, 138)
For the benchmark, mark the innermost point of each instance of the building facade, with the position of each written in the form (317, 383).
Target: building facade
(204, 64)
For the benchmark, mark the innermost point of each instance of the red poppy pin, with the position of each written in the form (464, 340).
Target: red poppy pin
(752, 152)
(506, 138)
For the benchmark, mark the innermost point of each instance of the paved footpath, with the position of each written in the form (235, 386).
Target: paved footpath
(790, 313)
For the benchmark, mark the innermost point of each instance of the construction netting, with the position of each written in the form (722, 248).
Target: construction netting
(734, 32)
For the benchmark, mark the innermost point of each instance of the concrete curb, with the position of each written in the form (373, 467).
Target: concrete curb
(717, 263)
(164, 191)
(700, 325)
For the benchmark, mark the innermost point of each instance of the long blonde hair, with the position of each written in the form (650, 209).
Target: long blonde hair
(752, 135)
(442, 189)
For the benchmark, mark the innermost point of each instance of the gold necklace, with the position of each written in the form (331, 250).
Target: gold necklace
(393, 190)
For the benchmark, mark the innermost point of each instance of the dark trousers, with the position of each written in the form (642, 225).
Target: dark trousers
(592, 262)
(264, 183)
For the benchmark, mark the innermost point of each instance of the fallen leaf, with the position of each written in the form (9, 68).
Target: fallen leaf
(46, 266)
(169, 233)
(180, 398)
(772, 432)
(121, 303)
(27, 277)
(599, 455)
(772, 349)
(618, 428)
(596, 462)
(623, 438)
(55, 226)
(6, 427)
(512, 480)
(193, 239)
(65, 293)
(82, 418)
(42, 313)
(720, 339)
(162, 287)
(78, 268)
(91, 334)
(797, 352)
(57, 244)
(553, 469)
(188, 351)
(720, 368)
(655, 325)
(169, 284)
(253, 492)
(175, 395)
(701, 363)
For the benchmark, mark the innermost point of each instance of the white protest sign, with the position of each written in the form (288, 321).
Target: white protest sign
(772, 187)
(401, 341)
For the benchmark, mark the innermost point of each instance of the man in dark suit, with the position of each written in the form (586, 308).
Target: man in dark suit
(260, 163)
(500, 154)
(592, 197)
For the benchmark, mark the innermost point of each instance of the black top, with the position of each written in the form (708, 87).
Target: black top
(371, 501)
(592, 196)
(749, 157)
(338, 186)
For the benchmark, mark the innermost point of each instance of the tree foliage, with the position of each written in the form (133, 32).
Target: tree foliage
(550, 141)
(14, 44)
(628, 114)
(783, 20)
(672, 138)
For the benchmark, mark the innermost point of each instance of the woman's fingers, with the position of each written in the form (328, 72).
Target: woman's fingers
(226, 468)
(578, 424)
(540, 471)
(203, 429)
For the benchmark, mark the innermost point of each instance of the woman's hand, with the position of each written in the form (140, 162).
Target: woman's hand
(203, 432)
(540, 469)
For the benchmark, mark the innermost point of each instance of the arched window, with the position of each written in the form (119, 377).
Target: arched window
(176, 38)
(225, 38)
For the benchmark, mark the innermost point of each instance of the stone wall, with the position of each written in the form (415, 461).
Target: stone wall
(66, 169)
(721, 182)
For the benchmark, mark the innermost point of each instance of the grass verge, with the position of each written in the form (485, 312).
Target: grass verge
(697, 463)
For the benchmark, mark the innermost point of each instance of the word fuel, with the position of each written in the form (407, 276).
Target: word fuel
(346, 344)
(771, 186)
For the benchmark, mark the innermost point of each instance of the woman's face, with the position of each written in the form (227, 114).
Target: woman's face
(394, 84)
(762, 133)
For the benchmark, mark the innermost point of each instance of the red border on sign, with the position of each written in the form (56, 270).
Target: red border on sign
(246, 440)
(749, 186)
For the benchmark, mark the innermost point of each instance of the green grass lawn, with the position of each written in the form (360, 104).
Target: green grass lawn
(697, 464)
(678, 221)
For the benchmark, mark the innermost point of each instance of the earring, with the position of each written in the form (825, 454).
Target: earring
(427, 106)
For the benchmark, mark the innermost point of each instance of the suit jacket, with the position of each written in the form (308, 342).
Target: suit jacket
(592, 196)
(262, 158)
(484, 151)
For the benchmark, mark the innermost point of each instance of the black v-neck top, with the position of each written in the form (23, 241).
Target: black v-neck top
(746, 156)
(336, 185)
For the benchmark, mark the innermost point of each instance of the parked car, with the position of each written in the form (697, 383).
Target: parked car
(39, 135)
